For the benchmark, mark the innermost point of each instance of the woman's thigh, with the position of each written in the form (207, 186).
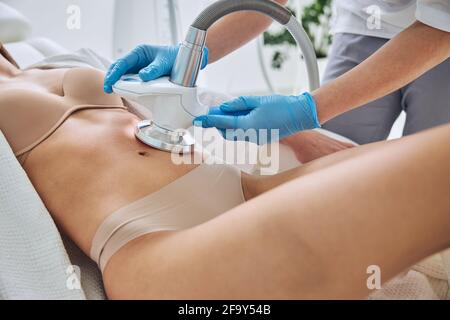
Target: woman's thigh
(314, 237)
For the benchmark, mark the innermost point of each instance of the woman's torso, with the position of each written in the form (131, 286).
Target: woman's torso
(92, 165)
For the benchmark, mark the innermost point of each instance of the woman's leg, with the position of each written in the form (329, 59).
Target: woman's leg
(314, 237)
(256, 185)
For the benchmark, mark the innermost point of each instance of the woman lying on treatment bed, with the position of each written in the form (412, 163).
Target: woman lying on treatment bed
(160, 231)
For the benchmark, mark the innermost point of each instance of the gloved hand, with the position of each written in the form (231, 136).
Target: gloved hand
(289, 115)
(151, 62)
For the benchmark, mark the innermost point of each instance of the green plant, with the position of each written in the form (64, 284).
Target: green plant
(315, 20)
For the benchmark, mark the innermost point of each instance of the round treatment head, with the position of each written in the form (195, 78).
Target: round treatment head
(171, 108)
(179, 141)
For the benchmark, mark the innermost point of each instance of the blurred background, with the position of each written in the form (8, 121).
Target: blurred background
(113, 27)
(267, 65)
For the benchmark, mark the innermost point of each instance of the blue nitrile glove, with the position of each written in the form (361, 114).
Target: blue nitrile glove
(289, 115)
(151, 62)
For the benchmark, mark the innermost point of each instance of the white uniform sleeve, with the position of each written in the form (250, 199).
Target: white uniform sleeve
(435, 13)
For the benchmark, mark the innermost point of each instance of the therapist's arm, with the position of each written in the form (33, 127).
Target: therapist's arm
(405, 58)
(235, 30)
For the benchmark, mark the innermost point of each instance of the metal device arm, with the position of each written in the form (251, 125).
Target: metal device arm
(189, 60)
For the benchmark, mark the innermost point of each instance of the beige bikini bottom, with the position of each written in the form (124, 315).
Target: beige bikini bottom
(203, 194)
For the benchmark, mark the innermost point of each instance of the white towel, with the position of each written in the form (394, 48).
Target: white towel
(80, 58)
(33, 260)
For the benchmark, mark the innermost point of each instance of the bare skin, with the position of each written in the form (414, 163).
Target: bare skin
(92, 165)
(313, 237)
(324, 224)
(312, 145)
(293, 241)
(315, 234)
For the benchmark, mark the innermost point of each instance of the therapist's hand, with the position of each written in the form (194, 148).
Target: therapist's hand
(288, 114)
(312, 145)
(151, 62)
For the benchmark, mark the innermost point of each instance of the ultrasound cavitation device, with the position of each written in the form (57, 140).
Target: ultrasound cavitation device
(172, 102)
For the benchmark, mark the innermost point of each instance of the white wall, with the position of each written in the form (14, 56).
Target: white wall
(145, 21)
(113, 27)
(109, 26)
(240, 72)
(49, 19)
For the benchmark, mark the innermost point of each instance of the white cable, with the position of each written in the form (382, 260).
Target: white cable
(264, 69)
(174, 21)
(298, 76)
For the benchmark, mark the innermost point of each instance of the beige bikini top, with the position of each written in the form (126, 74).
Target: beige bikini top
(26, 124)
(24, 135)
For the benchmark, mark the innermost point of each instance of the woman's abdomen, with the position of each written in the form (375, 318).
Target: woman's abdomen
(92, 166)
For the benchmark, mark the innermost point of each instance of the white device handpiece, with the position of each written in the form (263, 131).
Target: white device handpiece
(170, 106)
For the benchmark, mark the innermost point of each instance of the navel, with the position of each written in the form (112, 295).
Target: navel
(144, 154)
